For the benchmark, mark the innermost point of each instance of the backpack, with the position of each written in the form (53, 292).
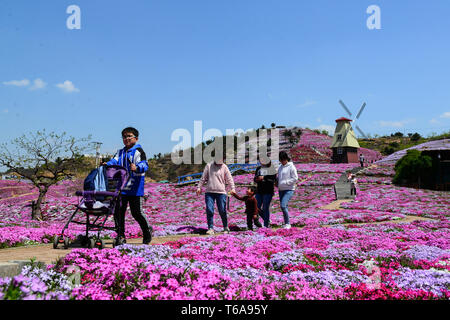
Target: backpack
(96, 180)
(88, 184)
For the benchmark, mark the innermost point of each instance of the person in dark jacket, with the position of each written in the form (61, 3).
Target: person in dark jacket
(265, 177)
(133, 158)
(251, 207)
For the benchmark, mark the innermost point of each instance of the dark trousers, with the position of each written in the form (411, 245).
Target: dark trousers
(251, 221)
(137, 213)
(264, 206)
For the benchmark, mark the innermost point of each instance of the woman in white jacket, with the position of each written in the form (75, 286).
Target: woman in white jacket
(287, 178)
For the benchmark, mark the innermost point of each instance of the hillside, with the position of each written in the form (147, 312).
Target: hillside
(309, 146)
(314, 147)
(387, 145)
(303, 144)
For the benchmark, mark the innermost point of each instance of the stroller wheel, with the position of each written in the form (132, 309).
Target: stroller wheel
(99, 244)
(84, 240)
(91, 243)
(66, 242)
(55, 242)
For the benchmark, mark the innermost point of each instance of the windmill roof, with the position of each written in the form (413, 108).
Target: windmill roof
(343, 119)
(344, 136)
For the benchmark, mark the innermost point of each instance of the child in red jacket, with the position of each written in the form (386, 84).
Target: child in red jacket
(251, 207)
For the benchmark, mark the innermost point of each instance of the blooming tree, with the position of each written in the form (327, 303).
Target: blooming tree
(44, 159)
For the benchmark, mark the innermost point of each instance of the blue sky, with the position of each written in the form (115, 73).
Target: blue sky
(160, 65)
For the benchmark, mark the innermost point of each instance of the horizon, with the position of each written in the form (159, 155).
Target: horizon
(159, 66)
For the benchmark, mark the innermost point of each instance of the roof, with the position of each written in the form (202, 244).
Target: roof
(344, 136)
(443, 144)
(343, 119)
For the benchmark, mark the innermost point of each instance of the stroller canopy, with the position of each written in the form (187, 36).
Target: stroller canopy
(117, 177)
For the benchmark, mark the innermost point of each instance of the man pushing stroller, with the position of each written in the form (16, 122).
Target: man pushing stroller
(133, 158)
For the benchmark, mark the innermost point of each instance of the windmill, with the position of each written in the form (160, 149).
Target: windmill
(344, 144)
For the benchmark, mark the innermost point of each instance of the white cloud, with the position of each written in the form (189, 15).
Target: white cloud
(307, 103)
(38, 84)
(327, 127)
(5, 110)
(434, 121)
(394, 124)
(68, 87)
(17, 83)
(445, 115)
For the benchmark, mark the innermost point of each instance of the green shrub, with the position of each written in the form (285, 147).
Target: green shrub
(287, 133)
(413, 168)
(394, 145)
(415, 137)
(388, 150)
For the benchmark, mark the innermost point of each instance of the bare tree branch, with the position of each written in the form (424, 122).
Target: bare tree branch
(44, 158)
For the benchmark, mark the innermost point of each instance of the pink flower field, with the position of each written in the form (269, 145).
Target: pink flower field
(314, 149)
(389, 243)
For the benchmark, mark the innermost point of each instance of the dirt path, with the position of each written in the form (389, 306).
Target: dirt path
(336, 205)
(408, 219)
(48, 255)
(18, 196)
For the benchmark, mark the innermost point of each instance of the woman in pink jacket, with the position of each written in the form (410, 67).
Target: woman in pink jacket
(216, 176)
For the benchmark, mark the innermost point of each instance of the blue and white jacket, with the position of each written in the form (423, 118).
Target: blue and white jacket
(124, 157)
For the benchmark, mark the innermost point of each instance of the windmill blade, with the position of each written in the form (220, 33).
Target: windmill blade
(361, 132)
(361, 110)
(345, 107)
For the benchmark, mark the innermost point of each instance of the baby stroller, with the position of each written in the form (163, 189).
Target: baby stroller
(97, 205)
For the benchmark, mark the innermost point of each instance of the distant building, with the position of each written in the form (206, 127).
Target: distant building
(344, 145)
